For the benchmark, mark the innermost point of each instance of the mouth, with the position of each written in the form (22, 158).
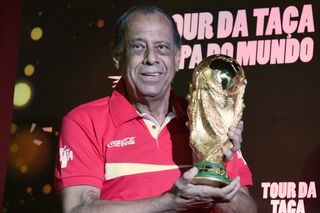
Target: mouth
(151, 77)
(154, 74)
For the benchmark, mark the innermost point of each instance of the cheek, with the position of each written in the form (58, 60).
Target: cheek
(134, 61)
(131, 66)
(170, 66)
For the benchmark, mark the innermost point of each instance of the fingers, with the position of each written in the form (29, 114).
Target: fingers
(228, 156)
(235, 135)
(190, 174)
(240, 125)
(233, 190)
(186, 178)
(189, 196)
(218, 194)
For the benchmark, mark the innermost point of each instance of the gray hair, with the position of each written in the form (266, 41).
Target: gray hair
(144, 9)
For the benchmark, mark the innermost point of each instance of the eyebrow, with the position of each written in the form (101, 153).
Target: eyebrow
(155, 42)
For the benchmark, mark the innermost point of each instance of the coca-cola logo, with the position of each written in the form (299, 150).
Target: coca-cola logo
(121, 143)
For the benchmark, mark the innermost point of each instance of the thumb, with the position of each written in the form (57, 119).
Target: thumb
(188, 176)
(183, 182)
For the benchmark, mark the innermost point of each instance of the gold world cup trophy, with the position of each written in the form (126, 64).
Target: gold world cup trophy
(215, 104)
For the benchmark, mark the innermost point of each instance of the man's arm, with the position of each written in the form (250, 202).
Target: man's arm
(81, 199)
(241, 203)
(183, 196)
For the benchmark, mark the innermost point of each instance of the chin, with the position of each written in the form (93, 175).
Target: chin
(150, 93)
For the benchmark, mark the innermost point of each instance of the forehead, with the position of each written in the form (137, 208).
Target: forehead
(153, 24)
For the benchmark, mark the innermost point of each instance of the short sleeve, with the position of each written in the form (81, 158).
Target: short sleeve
(239, 167)
(80, 160)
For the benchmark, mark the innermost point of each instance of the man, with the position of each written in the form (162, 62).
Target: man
(129, 152)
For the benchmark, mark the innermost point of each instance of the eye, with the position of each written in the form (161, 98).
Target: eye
(163, 48)
(137, 46)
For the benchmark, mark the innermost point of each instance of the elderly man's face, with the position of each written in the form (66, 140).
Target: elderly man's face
(150, 57)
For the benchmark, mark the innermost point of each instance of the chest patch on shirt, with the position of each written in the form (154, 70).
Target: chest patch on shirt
(122, 142)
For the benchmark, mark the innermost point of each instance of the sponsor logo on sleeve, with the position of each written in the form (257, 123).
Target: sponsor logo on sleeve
(65, 154)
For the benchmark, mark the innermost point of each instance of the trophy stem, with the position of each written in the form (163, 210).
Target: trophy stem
(212, 174)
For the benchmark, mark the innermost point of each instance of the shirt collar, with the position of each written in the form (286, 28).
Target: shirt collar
(122, 110)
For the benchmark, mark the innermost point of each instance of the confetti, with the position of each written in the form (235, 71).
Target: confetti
(33, 126)
(47, 129)
(37, 142)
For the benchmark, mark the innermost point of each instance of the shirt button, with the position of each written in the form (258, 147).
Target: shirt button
(154, 127)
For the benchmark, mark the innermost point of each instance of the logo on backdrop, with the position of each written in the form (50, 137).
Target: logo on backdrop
(288, 197)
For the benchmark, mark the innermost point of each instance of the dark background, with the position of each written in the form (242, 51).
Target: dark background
(72, 61)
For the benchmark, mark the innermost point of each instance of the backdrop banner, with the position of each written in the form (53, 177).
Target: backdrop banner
(65, 60)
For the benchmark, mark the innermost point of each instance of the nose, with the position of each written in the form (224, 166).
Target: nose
(150, 57)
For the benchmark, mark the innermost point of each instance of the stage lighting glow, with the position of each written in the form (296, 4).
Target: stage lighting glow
(23, 169)
(22, 94)
(36, 33)
(13, 128)
(29, 190)
(18, 162)
(30, 152)
(100, 23)
(29, 70)
(46, 189)
(14, 148)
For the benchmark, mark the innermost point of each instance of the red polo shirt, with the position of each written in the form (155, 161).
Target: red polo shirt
(108, 144)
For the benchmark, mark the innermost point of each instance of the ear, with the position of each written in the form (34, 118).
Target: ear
(116, 62)
(116, 57)
(177, 60)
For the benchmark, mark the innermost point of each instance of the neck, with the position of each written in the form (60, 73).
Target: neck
(157, 108)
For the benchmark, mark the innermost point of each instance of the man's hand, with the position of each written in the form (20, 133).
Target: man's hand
(188, 196)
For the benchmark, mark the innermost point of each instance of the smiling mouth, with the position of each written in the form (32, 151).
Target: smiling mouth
(151, 77)
(151, 74)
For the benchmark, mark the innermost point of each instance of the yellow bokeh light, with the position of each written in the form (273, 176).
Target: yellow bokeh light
(36, 33)
(18, 162)
(22, 94)
(29, 70)
(14, 148)
(13, 128)
(23, 169)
